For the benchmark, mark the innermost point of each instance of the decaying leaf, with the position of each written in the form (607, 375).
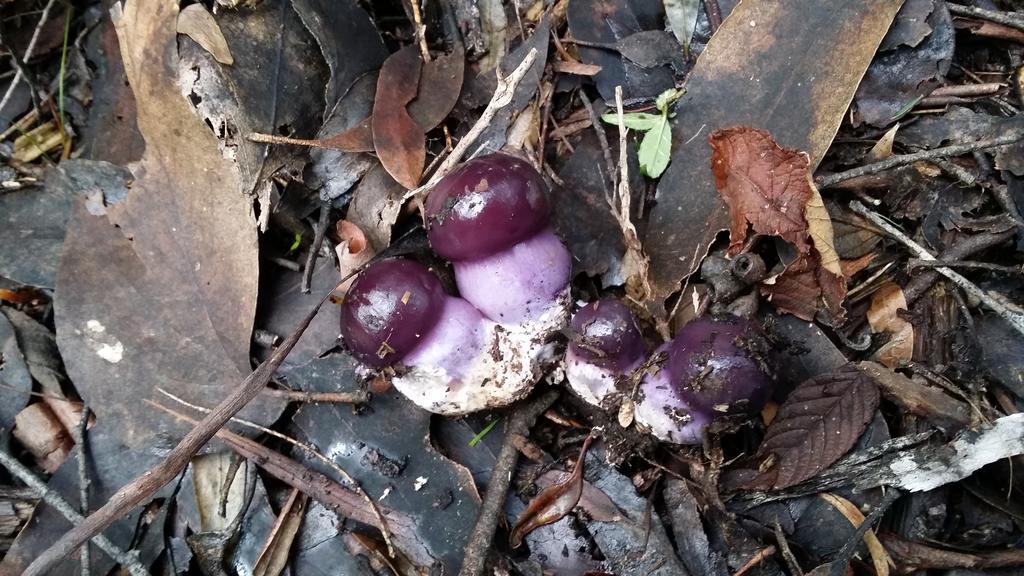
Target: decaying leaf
(274, 556)
(397, 138)
(818, 423)
(39, 430)
(883, 317)
(682, 17)
(879, 557)
(196, 22)
(14, 374)
(790, 68)
(897, 79)
(769, 188)
(553, 502)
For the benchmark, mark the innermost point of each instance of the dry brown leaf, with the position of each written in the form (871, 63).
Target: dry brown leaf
(576, 68)
(769, 189)
(593, 501)
(852, 267)
(397, 138)
(198, 24)
(274, 556)
(883, 317)
(553, 503)
(41, 433)
(879, 557)
(883, 148)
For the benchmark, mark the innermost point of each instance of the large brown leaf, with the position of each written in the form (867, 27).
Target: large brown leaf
(790, 68)
(818, 423)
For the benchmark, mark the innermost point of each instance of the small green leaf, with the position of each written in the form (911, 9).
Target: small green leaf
(476, 439)
(296, 243)
(656, 149)
(666, 98)
(633, 120)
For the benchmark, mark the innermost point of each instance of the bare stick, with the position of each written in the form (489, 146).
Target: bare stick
(356, 397)
(126, 559)
(503, 95)
(602, 139)
(1012, 19)
(28, 54)
(497, 487)
(83, 481)
(635, 261)
(967, 265)
(904, 159)
(314, 250)
(147, 484)
(1006, 310)
(421, 30)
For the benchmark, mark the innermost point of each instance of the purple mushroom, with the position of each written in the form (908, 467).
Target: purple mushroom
(489, 217)
(714, 366)
(605, 345)
(448, 357)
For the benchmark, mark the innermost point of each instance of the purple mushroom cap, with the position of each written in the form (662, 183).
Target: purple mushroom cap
(604, 333)
(719, 365)
(391, 306)
(484, 206)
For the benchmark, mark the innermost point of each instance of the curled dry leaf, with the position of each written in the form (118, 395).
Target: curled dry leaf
(353, 250)
(274, 556)
(397, 138)
(770, 188)
(593, 501)
(883, 317)
(879, 557)
(41, 433)
(196, 22)
(554, 502)
(818, 423)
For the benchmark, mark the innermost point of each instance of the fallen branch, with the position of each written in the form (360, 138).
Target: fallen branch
(1006, 310)
(1011, 19)
(126, 559)
(911, 557)
(493, 506)
(904, 159)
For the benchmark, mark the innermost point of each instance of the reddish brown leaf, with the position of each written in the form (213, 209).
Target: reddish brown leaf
(397, 138)
(769, 188)
(763, 184)
(818, 423)
(553, 503)
(593, 501)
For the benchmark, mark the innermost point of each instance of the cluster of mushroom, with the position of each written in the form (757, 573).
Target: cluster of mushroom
(488, 346)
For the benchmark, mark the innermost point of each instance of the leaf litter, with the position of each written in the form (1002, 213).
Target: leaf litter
(162, 272)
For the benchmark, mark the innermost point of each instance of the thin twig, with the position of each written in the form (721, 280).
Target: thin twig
(756, 560)
(503, 95)
(1011, 19)
(356, 397)
(127, 559)
(904, 159)
(602, 139)
(83, 481)
(318, 240)
(919, 263)
(1006, 310)
(787, 554)
(493, 505)
(421, 30)
(309, 449)
(28, 54)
